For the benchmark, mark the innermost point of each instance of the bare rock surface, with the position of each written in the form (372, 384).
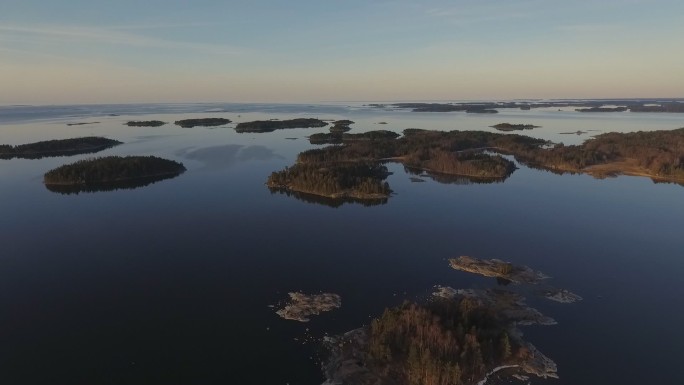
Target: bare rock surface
(302, 306)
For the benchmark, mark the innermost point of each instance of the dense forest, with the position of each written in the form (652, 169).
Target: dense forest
(58, 147)
(258, 126)
(112, 169)
(658, 154)
(202, 122)
(444, 342)
(145, 123)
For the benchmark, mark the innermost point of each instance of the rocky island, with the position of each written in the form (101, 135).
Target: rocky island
(260, 126)
(513, 127)
(506, 272)
(202, 122)
(111, 172)
(302, 306)
(57, 147)
(145, 123)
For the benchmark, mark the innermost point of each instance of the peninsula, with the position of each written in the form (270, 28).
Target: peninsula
(202, 122)
(112, 170)
(57, 147)
(261, 126)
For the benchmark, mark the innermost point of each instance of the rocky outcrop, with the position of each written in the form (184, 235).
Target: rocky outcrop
(302, 306)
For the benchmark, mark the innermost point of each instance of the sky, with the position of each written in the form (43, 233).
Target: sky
(125, 51)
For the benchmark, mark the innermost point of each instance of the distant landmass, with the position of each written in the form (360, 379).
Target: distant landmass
(110, 172)
(642, 105)
(202, 122)
(260, 126)
(57, 147)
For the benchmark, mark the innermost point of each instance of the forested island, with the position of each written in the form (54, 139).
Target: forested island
(513, 127)
(340, 126)
(111, 172)
(261, 126)
(145, 123)
(456, 337)
(473, 154)
(202, 122)
(57, 147)
(345, 180)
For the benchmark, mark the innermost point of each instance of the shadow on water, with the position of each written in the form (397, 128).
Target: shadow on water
(100, 187)
(325, 201)
(54, 154)
(453, 179)
(225, 156)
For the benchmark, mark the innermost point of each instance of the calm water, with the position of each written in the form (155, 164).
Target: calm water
(171, 283)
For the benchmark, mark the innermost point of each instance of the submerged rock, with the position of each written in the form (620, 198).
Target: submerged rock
(302, 306)
(562, 296)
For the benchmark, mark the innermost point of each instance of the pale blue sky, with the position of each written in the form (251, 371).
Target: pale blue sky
(98, 51)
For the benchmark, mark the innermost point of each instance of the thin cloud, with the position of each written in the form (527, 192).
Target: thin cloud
(590, 28)
(482, 13)
(109, 35)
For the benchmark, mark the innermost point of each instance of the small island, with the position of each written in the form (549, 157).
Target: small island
(145, 123)
(302, 306)
(202, 122)
(602, 109)
(81, 123)
(340, 126)
(513, 127)
(110, 172)
(57, 147)
(261, 126)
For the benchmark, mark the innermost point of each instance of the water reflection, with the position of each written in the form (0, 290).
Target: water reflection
(453, 179)
(225, 156)
(325, 201)
(100, 187)
(52, 154)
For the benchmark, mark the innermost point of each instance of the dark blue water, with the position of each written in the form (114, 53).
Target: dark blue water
(171, 283)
